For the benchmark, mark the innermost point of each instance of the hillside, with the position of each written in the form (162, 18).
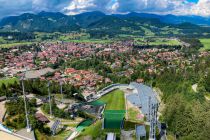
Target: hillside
(100, 24)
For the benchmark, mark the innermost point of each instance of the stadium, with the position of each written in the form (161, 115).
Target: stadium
(116, 98)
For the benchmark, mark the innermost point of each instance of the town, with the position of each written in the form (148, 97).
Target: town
(70, 87)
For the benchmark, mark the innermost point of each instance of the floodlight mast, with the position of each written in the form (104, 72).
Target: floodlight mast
(49, 94)
(61, 90)
(25, 105)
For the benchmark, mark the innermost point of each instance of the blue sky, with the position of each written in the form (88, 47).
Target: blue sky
(177, 7)
(195, 1)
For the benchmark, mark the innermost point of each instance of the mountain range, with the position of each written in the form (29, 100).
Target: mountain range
(51, 22)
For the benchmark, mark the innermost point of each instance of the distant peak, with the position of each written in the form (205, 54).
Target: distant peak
(93, 13)
(44, 13)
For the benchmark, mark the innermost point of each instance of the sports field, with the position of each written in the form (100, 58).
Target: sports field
(115, 109)
(114, 100)
(206, 43)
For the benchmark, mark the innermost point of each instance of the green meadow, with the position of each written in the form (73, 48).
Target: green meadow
(206, 44)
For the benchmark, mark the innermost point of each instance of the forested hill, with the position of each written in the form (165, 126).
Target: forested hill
(100, 24)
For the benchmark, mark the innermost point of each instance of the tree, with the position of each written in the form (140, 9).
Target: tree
(207, 82)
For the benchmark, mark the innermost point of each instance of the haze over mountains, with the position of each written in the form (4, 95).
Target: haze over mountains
(49, 21)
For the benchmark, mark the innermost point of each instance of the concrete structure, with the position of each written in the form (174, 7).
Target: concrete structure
(140, 97)
(111, 136)
(140, 132)
(37, 73)
(8, 136)
(108, 89)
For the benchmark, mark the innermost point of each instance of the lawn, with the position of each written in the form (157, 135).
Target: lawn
(95, 131)
(62, 135)
(133, 115)
(114, 100)
(100, 41)
(8, 81)
(84, 124)
(157, 41)
(206, 43)
(9, 45)
(169, 42)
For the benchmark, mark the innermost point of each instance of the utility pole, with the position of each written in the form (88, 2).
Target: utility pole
(25, 104)
(49, 94)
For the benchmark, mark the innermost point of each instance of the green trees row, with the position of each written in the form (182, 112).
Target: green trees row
(37, 87)
(60, 113)
(16, 114)
(187, 120)
(186, 113)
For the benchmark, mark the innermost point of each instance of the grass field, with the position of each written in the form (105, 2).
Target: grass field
(114, 100)
(132, 115)
(157, 41)
(206, 43)
(84, 124)
(60, 136)
(95, 131)
(91, 41)
(9, 45)
(8, 81)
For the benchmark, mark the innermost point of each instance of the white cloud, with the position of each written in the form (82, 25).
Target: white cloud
(79, 6)
(201, 8)
(179, 7)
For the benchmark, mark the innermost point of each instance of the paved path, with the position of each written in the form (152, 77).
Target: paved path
(194, 87)
(2, 110)
(73, 135)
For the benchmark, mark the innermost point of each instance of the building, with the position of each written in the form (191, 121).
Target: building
(41, 118)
